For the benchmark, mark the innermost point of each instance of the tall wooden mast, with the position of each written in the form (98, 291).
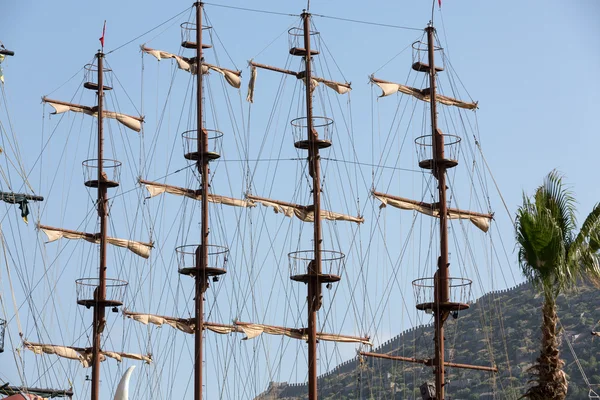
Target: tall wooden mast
(99, 310)
(435, 295)
(312, 133)
(202, 252)
(314, 269)
(441, 278)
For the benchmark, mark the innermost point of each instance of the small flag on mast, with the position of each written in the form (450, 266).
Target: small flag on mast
(103, 31)
(440, 3)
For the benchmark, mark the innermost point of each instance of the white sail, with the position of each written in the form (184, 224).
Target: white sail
(122, 392)
(389, 88)
(155, 189)
(341, 88)
(132, 356)
(254, 330)
(181, 324)
(479, 220)
(127, 120)
(140, 248)
(253, 75)
(303, 213)
(232, 77)
(82, 354)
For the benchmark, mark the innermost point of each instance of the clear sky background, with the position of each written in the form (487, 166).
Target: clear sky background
(532, 66)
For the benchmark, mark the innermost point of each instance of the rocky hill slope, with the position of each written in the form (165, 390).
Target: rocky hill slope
(500, 328)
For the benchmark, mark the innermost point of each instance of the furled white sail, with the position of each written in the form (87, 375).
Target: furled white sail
(303, 213)
(221, 328)
(184, 325)
(254, 330)
(253, 74)
(132, 356)
(482, 221)
(140, 248)
(82, 354)
(389, 88)
(155, 189)
(122, 392)
(232, 77)
(341, 88)
(134, 123)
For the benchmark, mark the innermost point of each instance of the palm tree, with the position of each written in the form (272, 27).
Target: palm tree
(554, 257)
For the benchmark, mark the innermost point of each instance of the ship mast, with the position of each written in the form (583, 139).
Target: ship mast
(441, 304)
(317, 266)
(99, 307)
(314, 269)
(441, 278)
(202, 252)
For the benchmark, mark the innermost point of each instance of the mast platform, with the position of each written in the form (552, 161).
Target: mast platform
(305, 144)
(426, 151)
(189, 263)
(423, 67)
(87, 292)
(321, 278)
(91, 77)
(190, 145)
(94, 86)
(321, 127)
(459, 294)
(302, 266)
(298, 51)
(192, 45)
(297, 44)
(111, 171)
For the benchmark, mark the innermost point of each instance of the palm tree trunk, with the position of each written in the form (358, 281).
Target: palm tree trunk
(547, 374)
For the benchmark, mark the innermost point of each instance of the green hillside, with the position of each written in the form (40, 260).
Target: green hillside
(501, 328)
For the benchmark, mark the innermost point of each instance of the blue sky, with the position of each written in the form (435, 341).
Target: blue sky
(532, 66)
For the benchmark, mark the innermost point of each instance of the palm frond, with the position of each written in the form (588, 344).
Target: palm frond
(560, 201)
(584, 257)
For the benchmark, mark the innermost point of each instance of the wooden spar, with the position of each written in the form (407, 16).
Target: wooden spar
(238, 73)
(276, 69)
(190, 192)
(428, 362)
(8, 390)
(91, 236)
(202, 263)
(87, 108)
(434, 206)
(176, 319)
(25, 196)
(302, 331)
(314, 268)
(281, 203)
(298, 75)
(99, 310)
(6, 52)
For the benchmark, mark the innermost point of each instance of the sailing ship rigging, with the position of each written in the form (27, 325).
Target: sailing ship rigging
(287, 258)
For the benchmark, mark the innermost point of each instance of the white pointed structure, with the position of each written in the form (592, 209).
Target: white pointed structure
(122, 392)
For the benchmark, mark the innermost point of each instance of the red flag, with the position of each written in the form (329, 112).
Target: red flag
(440, 3)
(103, 31)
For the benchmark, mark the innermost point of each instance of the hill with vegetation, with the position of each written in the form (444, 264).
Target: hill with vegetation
(501, 328)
